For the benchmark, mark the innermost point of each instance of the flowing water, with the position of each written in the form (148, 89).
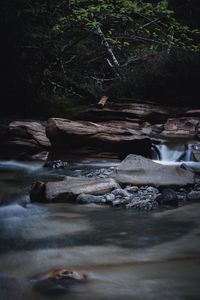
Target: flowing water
(127, 254)
(174, 150)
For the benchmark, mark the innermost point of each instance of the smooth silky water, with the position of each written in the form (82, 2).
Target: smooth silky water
(127, 254)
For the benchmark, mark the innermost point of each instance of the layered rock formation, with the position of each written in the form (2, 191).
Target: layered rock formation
(21, 138)
(185, 127)
(111, 136)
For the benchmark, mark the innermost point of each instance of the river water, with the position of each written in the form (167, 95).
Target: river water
(127, 254)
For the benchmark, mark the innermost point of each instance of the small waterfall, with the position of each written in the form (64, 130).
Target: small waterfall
(169, 152)
(188, 154)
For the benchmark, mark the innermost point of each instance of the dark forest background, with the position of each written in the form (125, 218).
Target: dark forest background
(59, 56)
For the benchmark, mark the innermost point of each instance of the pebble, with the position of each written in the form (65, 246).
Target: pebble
(132, 189)
(193, 195)
(140, 198)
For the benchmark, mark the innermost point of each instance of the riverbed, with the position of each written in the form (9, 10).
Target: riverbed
(126, 253)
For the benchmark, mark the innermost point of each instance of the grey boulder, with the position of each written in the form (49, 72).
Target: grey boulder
(137, 170)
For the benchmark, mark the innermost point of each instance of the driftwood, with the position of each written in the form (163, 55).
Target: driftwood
(102, 102)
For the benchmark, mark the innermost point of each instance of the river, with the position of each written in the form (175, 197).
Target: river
(127, 254)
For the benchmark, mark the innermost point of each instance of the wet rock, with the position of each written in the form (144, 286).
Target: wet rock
(118, 138)
(137, 170)
(194, 195)
(152, 190)
(37, 193)
(58, 281)
(196, 147)
(196, 151)
(182, 190)
(197, 186)
(118, 202)
(56, 164)
(186, 167)
(145, 205)
(69, 188)
(132, 189)
(120, 192)
(143, 198)
(110, 198)
(182, 196)
(40, 156)
(190, 166)
(101, 173)
(87, 198)
(168, 197)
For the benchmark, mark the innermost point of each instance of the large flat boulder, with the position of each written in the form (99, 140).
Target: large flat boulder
(117, 136)
(137, 170)
(69, 188)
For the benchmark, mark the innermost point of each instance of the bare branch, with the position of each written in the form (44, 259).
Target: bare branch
(96, 58)
(171, 44)
(139, 59)
(109, 49)
(103, 79)
(143, 39)
(149, 23)
(104, 40)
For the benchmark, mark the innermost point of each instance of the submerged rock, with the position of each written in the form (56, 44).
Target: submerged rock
(58, 281)
(138, 170)
(37, 193)
(87, 198)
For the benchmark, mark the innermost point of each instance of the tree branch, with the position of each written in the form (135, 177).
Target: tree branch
(143, 39)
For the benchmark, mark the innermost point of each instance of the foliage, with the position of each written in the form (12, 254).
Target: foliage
(82, 48)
